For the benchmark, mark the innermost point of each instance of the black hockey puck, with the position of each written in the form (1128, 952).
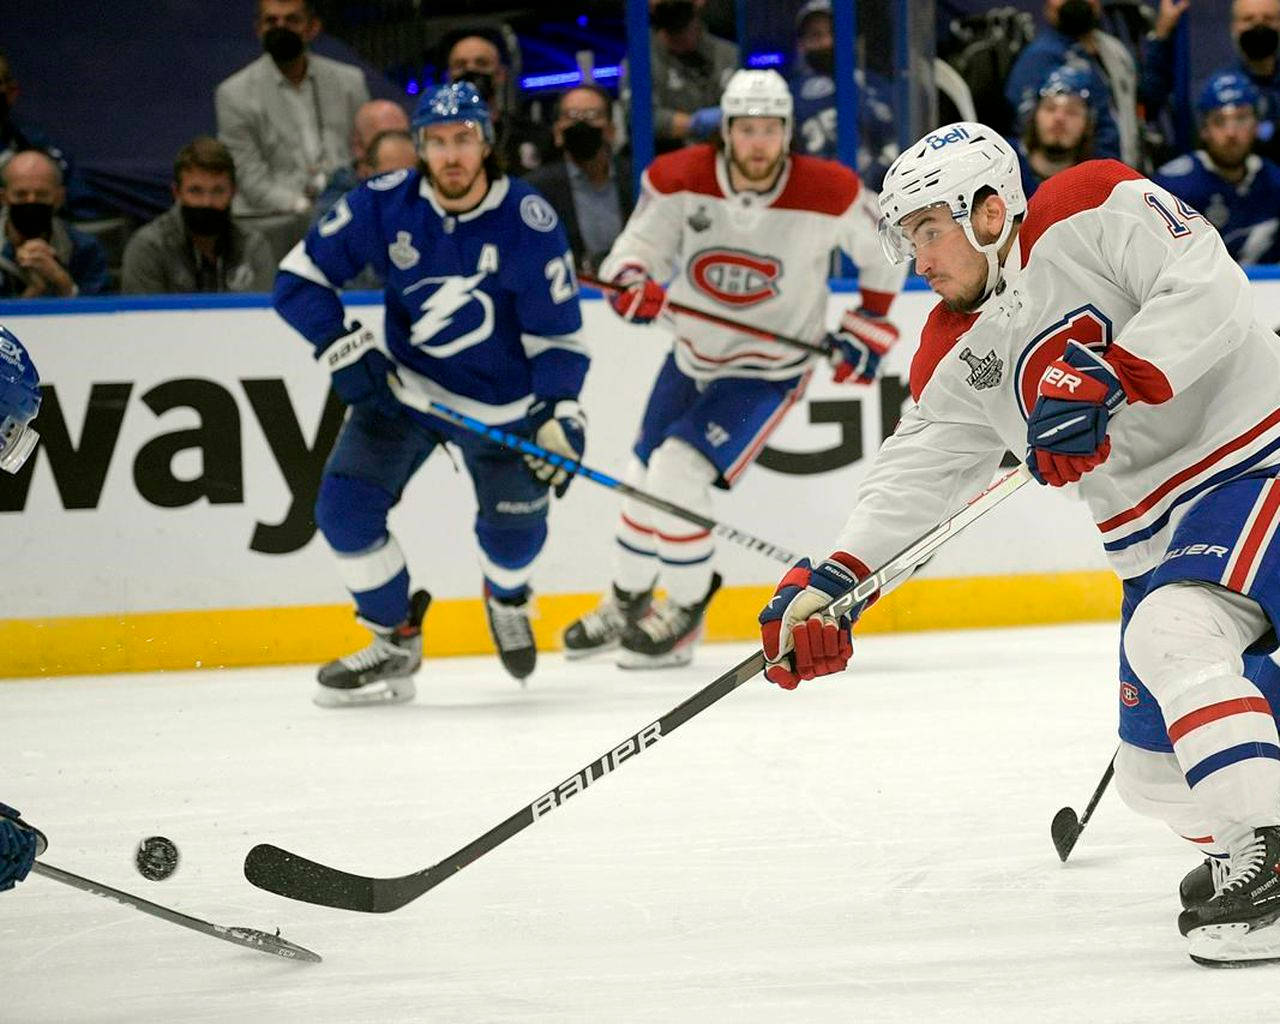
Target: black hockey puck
(156, 858)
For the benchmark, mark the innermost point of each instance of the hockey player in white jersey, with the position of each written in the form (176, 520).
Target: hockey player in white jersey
(746, 233)
(1104, 330)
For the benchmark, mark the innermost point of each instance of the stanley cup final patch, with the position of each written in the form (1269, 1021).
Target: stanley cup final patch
(984, 371)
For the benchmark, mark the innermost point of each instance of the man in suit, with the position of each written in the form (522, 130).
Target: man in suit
(589, 189)
(287, 120)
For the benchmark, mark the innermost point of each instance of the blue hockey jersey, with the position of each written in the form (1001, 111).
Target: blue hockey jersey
(481, 307)
(1247, 215)
(815, 119)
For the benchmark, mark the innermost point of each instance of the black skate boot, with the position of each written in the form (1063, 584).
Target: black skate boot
(665, 638)
(601, 629)
(1237, 927)
(1203, 881)
(512, 634)
(381, 673)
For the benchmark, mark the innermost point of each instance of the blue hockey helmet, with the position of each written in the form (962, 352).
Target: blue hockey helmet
(1228, 89)
(19, 402)
(453, 103)
(1066, 81)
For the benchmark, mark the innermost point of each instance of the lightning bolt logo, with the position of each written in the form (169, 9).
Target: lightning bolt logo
(440, 308)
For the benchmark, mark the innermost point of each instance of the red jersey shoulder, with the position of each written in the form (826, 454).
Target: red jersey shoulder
(692, 169)
(1083, 187)
(818, 186)
(941, 332)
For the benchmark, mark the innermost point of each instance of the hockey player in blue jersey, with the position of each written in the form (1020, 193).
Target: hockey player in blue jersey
(20, 844)
(1236, 190)
(482, 315)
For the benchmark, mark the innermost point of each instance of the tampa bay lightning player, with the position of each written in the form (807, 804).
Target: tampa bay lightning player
(1237, 190)
(481, 315)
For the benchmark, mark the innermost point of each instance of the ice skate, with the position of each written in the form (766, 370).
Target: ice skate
(512, 634)
(601, 629)
(1237, 927)
(667, 635)
(381, 673)
(1203, 882)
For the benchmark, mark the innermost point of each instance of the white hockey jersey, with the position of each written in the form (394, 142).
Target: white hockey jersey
(1110, 259)
(762, 258)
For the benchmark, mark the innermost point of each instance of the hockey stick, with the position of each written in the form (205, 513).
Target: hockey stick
(1065, 828)
(263, 942)
(287, 874)
(723, 321)
(524, 445)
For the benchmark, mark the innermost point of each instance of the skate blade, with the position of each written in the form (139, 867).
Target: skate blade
(380, 692)
(1235, 945)
(632, 661)
(582, 654)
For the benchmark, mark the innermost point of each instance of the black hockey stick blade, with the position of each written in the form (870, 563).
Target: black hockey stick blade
(1065, 830)
(252, 938)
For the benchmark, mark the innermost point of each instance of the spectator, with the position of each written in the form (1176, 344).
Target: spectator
(196, 246)
(690, 68)
(16, 136)
(1072, 37)
(287, 120)
(372, 119)
(43, 256)
(590, 189)
(391, 151)
(1060, 129)
(1236, 190)
(1255, 29)
(814, 90)
(477, 55)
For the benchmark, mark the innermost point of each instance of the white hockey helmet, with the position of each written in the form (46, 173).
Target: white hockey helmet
(757, 93)
(949, 167)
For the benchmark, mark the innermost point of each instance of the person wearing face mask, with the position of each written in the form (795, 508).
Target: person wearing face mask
(690, 69)
(478, 55)
(1072, 37)
(42, 256)
(287, 120)
(1255, 30)
(196, 246)
(1236, 190)
(814, 89)
(590, 188)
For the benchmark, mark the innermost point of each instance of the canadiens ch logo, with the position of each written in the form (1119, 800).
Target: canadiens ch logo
(734, 277)
(984, 371)
(1128, 695)
(1087, 325)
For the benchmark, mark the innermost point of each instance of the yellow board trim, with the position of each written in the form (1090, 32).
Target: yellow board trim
(220, 638)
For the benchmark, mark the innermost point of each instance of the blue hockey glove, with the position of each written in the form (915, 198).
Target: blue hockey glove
(560, 426)
(359, 370)
(17, 848)
(1067, 429)
(858, 346)
(704, 122)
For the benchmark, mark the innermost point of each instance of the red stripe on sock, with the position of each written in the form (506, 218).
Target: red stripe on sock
(636, 526)
(1223, 709)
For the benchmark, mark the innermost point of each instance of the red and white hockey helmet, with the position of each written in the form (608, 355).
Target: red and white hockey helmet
(948, 167)
(757, 93)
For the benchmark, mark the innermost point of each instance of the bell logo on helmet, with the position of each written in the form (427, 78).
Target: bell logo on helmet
(956, 134)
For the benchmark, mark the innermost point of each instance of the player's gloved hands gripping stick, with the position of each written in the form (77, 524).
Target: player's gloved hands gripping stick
(561, 428)
(1067, 429)
(862, 340)
(17, 847)
(800, 642)
(359, 369)
(640, 299)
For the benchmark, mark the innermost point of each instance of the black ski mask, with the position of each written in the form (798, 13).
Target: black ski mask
(207, 221)
(822, 61)
(582, 141)
(1259, 42)
(1077, 18)
(671, 15)
(283, 44)
(482, 80)
(32, 220)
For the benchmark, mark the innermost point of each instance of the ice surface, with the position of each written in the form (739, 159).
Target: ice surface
(872, 848)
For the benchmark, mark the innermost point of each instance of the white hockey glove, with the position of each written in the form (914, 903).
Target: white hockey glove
(561, 428)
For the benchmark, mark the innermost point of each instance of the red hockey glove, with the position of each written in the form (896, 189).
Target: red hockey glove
(641, 299)
(801, 641)
(861, 342)
(1067, 429)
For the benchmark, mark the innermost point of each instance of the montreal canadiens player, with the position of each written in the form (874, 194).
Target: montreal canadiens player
(1104, 330)
(481, 315)
(747, 233)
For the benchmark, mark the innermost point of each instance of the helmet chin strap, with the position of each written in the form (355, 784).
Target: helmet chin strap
(991, 252)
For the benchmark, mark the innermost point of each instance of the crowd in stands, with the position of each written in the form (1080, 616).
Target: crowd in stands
(296, 130)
